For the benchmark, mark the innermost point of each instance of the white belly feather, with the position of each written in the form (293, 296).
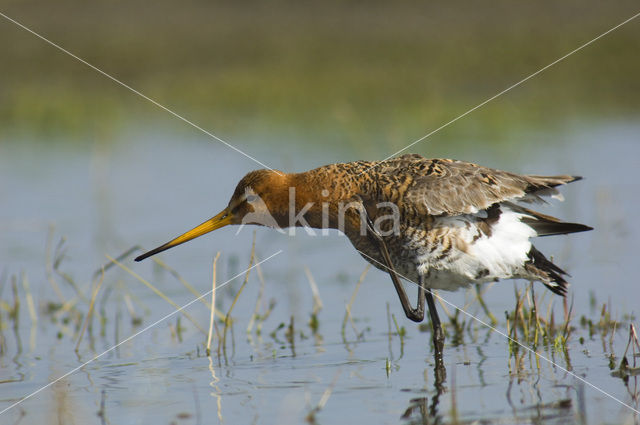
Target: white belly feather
(477, 256)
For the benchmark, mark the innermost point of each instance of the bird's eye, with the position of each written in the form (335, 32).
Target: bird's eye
(252, 198)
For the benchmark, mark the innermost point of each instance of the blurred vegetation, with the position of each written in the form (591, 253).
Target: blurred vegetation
(331, 71)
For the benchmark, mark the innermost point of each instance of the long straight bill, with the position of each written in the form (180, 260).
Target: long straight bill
(220, 220)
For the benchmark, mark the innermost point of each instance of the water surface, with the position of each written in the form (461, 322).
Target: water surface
(103, 200)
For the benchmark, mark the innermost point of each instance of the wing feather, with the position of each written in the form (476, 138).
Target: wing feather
(444, 186)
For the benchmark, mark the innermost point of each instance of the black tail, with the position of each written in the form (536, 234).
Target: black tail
(546, 225)
(547, 272)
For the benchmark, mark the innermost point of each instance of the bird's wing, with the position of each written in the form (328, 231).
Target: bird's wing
(444, 186)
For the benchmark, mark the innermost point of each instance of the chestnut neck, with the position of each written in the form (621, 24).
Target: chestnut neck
(320, 193)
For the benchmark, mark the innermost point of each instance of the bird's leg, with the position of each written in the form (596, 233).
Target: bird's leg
(438, 335)
(440, 374)
(415, 314)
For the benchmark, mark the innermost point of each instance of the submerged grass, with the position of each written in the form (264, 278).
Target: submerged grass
(213, 304)
(479, 297)
(314, 323)
(311, 416)
(258, 319)
(157, 292)
(187, 285)
(90, 312)
(227, 318)
(532, 322)
(347, 314)
(627, 369)
(526, 325)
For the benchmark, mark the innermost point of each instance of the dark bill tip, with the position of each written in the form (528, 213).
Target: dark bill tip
(152, 252)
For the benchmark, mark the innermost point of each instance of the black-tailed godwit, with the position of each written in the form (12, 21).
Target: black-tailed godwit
(440, 223)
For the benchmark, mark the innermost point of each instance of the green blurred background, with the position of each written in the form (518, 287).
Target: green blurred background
(360, 73)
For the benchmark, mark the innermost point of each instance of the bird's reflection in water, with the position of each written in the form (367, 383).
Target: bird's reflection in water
(426, 410)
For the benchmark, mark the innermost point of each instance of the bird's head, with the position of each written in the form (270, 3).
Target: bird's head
(261, 197)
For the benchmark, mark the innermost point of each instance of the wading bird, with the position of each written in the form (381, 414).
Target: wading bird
(440, 223)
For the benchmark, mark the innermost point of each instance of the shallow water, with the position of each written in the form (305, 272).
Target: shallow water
(148, 187)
